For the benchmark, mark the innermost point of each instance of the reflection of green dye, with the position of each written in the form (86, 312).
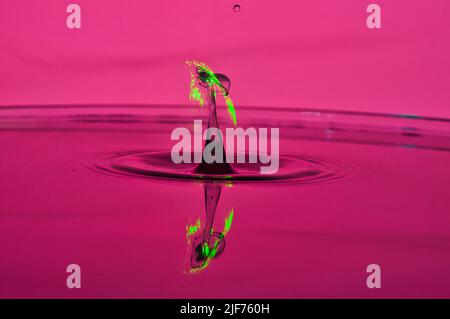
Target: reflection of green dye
(228, 222)
(192, 229)
(206, 75)
(209, 253)
(205, 249)
(214, 250)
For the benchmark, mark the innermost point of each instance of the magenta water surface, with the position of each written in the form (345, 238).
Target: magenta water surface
(92, 184)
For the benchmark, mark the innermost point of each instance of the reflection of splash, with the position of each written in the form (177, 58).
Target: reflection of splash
(210, 244)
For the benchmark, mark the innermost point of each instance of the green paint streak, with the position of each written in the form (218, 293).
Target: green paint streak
(231, 109)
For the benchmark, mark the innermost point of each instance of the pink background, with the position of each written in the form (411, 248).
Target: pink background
(317, 54)
(129, 234)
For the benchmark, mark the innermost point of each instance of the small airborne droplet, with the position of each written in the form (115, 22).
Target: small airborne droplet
(236, 8)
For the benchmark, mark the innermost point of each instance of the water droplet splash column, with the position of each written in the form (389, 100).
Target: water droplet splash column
(203, 79)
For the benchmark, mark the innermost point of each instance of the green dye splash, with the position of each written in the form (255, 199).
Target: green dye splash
(231, 109)
(197, 94)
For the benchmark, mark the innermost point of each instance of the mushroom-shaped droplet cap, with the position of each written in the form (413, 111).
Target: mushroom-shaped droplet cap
(225, 83)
